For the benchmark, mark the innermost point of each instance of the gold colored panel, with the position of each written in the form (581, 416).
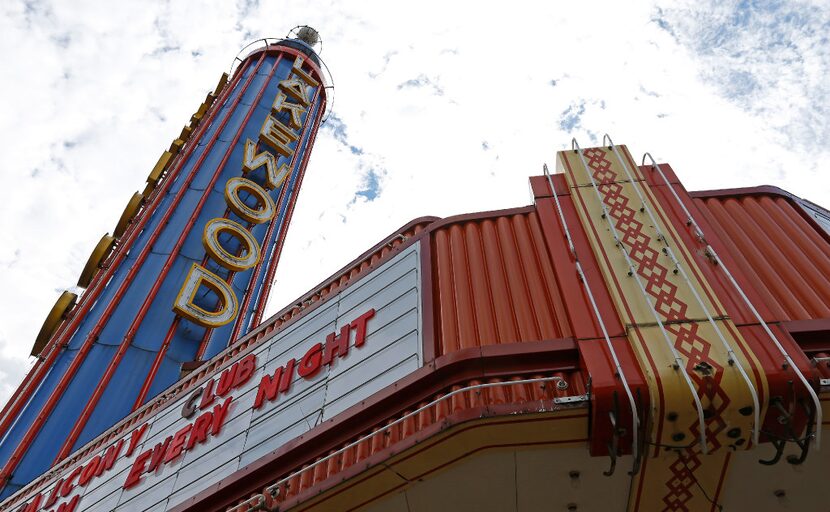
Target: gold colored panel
(148, 190)
(223, 81)
(176, 146)
(129, 212)
(63, 305)
(200, 113)
(722, 390)
(666, 307)
(666, 291)
(186, 132)
(98, 254)
(161, 166)
(570, 163)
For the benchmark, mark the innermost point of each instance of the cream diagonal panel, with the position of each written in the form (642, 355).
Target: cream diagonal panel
(667, 315)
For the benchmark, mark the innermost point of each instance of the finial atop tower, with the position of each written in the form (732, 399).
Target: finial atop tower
(308, 35)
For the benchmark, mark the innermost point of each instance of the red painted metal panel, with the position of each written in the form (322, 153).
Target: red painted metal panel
(783, 255)
(493, 282)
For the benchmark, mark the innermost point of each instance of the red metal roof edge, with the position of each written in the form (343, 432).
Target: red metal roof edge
(744, 191)
(770, 190)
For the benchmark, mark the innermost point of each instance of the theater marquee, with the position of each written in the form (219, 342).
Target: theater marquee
(352, 345)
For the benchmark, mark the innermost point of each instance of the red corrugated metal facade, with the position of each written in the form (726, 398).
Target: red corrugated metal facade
(495, 282)
(784, 254)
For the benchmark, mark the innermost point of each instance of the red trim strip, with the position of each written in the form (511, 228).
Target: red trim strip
(145, 388)
(269, 279)
(272, 264)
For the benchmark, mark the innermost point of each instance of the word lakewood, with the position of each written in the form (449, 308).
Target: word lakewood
(280, 130)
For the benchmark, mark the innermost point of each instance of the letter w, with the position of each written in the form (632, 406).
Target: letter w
(253, 160)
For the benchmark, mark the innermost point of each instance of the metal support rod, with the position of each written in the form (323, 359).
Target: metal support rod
(678, 360)
(719, 262)
(617, 366)
(733, 358)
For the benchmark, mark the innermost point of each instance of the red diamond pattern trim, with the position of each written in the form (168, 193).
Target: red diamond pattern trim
(688, 340)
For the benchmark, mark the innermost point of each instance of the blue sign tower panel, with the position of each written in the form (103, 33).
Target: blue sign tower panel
(186, 271)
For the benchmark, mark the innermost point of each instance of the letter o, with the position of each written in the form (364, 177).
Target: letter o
(265, 209)
(210, 239)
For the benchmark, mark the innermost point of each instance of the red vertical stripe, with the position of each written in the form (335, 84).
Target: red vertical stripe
(272, 264)
(269, 279)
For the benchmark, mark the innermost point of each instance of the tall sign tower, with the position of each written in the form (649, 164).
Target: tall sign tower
(188, 267)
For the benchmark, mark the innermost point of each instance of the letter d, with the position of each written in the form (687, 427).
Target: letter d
(196, 278)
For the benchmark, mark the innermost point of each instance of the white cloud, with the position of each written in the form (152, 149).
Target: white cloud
(92, 96)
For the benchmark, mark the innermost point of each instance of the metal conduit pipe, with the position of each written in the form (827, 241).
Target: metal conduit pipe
(635, 420)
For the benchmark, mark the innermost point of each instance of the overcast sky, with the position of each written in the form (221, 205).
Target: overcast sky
(440, 108)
